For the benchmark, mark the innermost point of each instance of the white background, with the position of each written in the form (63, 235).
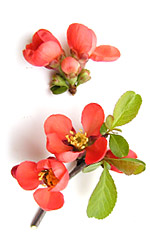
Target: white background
(26, 102)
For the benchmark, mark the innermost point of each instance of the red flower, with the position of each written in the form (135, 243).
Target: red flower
(82, 42)
(49, 172)
(67, 145)
(109, 154)
(43, 49)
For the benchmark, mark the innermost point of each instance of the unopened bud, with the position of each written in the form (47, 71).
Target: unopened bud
(57, 80)
(84, 76)
(70, 66)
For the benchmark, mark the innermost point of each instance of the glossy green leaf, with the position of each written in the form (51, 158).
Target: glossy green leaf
(103, 198)
(126, 108)
(118, 145)
(58, 90)
(91, 167)
(128, 165)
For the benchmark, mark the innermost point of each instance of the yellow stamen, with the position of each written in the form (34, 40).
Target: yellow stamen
(48, 177)
(78, 140)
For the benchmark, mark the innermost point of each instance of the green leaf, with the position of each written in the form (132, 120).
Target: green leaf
(103, 198)
(128, 165)
(118, 145)
(91, 167)
(103, 129)
(107, 165)
(109, 121)
(58, 90)
(126, 108)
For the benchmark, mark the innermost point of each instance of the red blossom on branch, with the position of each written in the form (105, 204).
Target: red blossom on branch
(48, 172)
(109, 154)
(67, 145)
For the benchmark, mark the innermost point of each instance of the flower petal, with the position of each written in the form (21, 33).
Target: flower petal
(92, 119)
(55, 145)
(48, 200)
(68, 156)
(27, 175)
(59, 170)
(96, 151)
(81, 39)
(44, 54)
(105, 53)
(43, 35)
(59, 124)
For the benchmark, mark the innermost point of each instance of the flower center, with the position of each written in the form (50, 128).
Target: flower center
(78, 140)
(48, 178)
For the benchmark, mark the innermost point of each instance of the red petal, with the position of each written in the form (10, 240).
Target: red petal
(68, 156)
(109, 154)
(59, 170)
(48, 200)
(27, 175)
(105, 53)
(92, 119)
(55, 144)
(39, 37)
(44, 54)
(96, 151)
(59, 124)
(13, 171)
(81, 39)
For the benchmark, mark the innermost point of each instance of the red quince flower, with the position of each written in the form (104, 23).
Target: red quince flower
(82, 41)
(67, 145)
(69, 65)
(43, 50)
(48, 172)
(109, 154)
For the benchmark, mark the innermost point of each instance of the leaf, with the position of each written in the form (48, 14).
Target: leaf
(91, 167)
(118, 145)
(103, 129)
(109, 121)
(103, 198)
(58, 90)
(127, 165)
(126, 108)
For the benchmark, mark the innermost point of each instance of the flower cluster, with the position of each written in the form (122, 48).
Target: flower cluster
(89, 146)
(45, 50)
(97, 143)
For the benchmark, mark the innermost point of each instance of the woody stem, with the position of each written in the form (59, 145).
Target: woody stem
(40, 212)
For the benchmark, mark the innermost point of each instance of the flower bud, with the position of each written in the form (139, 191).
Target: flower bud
(57, 80)
(84, 76)
(70, 66)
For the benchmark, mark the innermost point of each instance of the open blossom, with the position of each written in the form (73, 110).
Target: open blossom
(82, 41)
(67, 145)
(43, 50)
(48, 172)
(109, 154)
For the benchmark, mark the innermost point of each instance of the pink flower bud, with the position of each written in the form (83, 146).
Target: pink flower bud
(70, 65)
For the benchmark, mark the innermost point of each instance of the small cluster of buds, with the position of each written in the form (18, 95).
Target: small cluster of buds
(45, 50)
